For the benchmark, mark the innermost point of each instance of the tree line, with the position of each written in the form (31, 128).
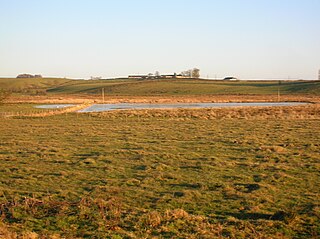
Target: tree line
(191, 73)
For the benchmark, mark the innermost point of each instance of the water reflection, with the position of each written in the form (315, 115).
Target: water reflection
(126, 106)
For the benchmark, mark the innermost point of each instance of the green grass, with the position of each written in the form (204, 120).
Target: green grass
(122, 175)
(32, 85)
(21, 108)
(157, 87)
(188, 87)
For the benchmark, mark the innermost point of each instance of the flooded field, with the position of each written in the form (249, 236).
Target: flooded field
(127, 106)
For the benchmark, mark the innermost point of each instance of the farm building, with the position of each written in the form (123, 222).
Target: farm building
(230, 78)
(150, 76)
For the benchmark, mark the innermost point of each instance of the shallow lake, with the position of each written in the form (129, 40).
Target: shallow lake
(53, 106)
(127, 106)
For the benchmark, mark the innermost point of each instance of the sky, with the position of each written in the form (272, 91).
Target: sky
(248, 39)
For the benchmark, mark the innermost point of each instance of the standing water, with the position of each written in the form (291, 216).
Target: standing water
(134, 106)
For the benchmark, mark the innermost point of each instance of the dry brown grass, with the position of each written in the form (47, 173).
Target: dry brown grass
(48, 113)
(77, 99)
(311, 111)
(7, 233)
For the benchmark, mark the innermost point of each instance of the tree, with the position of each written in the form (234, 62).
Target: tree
(29, 76)
(157, 74)
(196, 73)
(192, 73)
(187, 73)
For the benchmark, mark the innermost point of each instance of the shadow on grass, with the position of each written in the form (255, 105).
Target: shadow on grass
(251, 216)
(284, 216)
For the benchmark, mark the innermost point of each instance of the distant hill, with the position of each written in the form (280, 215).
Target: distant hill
(134, 87)
(187, 87)
(23, 85)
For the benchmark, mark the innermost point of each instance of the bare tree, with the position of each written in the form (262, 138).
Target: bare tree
(187, 73)
(196, 73)
(157, 74)
(192, 73)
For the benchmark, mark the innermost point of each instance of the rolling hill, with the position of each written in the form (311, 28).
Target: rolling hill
(158, 87)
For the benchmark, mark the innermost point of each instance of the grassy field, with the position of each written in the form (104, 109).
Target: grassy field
(31, 86)
(207, 173)
(224, 173)
(180, 87)
(188, 87)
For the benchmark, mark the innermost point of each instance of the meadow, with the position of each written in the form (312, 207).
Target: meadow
(172, 87)
(162, 174)
(205, 173)
(188, 87)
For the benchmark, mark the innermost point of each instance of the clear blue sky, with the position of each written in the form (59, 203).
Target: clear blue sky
(108, 38)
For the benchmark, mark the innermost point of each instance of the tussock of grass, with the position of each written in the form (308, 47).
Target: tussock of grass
(105, 218)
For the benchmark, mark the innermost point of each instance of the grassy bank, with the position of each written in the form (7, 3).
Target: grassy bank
(162, 174)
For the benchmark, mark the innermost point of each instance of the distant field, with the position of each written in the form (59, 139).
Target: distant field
(30, 85)
(188, 87)
(181, 87)
(246, 173)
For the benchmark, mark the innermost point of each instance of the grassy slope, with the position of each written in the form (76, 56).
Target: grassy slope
(159, 87)
(188, 87)
(122, 174)
(22, 85)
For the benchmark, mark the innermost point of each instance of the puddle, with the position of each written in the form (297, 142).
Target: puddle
(134, 106)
